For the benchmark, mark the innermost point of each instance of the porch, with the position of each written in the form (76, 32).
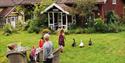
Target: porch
(58, 17)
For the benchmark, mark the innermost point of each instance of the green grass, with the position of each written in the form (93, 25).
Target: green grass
(107, 48)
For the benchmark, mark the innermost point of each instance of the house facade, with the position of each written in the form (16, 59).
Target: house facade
(8, 12)
(60, 12)
(104, 6)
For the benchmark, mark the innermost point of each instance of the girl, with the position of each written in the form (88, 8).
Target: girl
(61, 39)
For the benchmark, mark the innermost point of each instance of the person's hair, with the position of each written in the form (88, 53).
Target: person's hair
(62, 31)
(46, 36)
(42, 37)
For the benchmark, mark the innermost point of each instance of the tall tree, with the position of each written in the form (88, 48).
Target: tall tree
(40, 7)
(84, 9)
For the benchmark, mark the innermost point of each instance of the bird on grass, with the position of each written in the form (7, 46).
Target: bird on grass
(90, 42)
(81, 44)
(74, 43)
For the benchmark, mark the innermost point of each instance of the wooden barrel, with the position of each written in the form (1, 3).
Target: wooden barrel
(16, 57)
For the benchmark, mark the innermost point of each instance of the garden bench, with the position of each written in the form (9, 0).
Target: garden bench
(56, 54)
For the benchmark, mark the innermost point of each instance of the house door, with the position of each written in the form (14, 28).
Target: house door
(13, 21)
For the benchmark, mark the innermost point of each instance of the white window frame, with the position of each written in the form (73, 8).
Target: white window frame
(114, 1)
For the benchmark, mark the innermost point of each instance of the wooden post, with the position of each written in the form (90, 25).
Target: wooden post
(6, 20)
(48, 19)
(66, 22)
(61, 20)
(53, 20)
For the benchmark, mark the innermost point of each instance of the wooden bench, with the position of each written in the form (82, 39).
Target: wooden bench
(56, 54)
(16, 57)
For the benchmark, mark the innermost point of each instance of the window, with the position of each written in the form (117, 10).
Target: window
(113, 1)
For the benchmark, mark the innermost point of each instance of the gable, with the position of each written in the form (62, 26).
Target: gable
(60, 7)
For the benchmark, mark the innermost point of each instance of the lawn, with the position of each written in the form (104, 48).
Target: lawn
(107, 48)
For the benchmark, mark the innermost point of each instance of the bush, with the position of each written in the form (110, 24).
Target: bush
(79, 30)
(8, 29)
(46, 31)
(89, 30)
(100, 26)
(20, 25)
(111, 17)
(113, 27)
(36, 24)
(122, 27)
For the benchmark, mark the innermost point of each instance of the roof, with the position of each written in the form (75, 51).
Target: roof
(73, 1)
(6, 11)
(4, 3)
(64, 8)
(30, 1)
(65, 1)
(7, 3)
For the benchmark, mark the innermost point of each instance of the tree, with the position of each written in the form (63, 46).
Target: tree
(40, 7)
(84, 9)
(39, 21)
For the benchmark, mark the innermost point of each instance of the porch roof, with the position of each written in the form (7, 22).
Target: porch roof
(64, 8)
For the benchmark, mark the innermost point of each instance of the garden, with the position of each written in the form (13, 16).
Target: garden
(106, 48)
(107, 36)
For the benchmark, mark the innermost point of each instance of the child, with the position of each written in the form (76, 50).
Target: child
(41, 42)
(61, 39)
(33, 55)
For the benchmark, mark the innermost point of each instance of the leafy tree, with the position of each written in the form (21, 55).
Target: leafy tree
(40, 7)
(39, 21)
(84, 9)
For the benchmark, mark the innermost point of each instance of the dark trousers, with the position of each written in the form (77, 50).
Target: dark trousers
(48, 61)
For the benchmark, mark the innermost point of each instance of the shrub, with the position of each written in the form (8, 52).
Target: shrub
(46, 31)
(99, 25)
(36, 24)
(111, 17)
(122, 27)
(20, 25)
(113, 27)
(7, 29)
(89, 30)
(79, 30)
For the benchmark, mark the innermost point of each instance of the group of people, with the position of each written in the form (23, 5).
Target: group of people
(46, 45)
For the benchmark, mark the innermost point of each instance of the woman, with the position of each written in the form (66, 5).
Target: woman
(47, 49)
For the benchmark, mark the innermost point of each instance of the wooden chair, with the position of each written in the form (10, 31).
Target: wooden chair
(16, 57)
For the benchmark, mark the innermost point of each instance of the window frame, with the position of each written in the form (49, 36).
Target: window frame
(114, 1)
